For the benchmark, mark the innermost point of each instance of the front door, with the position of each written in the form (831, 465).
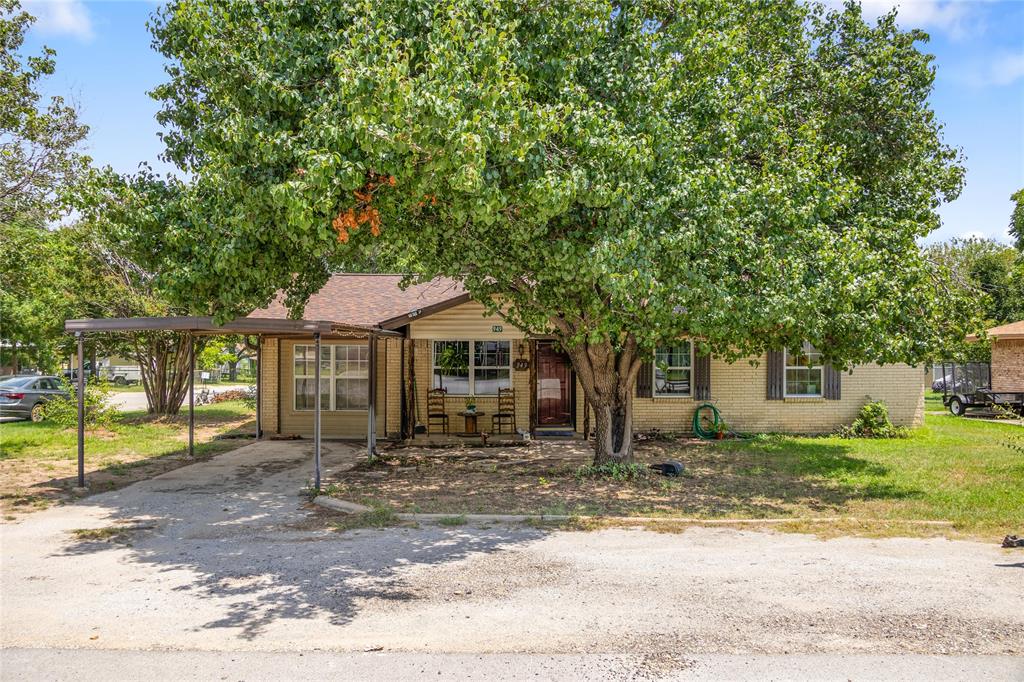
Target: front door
(554, 386)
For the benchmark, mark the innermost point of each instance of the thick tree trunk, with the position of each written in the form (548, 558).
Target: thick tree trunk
(164, 368)
(233, 370)
(607, 374)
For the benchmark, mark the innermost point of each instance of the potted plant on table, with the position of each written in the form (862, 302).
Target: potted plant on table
(470, 406)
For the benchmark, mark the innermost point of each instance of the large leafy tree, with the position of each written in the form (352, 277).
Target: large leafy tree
(749, 175)
(39, 142)
(39, 154)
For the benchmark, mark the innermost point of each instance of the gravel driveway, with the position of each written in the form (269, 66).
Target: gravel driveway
(224, 555)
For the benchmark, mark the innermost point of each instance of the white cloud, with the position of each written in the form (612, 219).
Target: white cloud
(955, 18)
(985, 71)
(972, 234)
(1006, 69)
(61, 17)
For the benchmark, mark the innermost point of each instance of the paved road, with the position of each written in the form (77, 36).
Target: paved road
(220, 566)
(71, 665)
(127, 401)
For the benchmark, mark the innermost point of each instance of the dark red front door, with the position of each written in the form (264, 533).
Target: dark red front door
(554, 386)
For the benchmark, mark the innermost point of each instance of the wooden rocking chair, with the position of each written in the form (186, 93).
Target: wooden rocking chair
(506, 413)
(435, 409)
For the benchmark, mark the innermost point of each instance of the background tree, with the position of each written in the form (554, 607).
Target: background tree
(114, 212)
(39, 144)
(750, 175)
(39, 154)
(1017, 219)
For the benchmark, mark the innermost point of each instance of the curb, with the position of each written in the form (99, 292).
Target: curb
(339, 505)
(353, 508)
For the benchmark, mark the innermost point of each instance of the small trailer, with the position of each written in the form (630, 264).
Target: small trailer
(969, 386)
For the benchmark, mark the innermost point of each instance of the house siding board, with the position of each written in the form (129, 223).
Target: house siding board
(466, 321)
(1008, 365)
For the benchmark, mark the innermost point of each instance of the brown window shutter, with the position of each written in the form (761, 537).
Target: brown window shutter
(833, 380)
(702, 377)
(645, 380)
(776, 375)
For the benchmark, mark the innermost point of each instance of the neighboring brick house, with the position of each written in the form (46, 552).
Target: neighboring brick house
(780, 392)
(1008, 357)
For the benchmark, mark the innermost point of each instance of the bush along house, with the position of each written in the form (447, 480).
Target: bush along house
(439, 366)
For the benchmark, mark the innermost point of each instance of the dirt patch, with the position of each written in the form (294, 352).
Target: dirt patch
(545, 479)
(34, 483)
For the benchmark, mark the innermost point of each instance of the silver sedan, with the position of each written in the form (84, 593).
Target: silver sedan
(25, 396)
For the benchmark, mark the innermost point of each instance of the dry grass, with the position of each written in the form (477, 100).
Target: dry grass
(953, 470)
(38, 462)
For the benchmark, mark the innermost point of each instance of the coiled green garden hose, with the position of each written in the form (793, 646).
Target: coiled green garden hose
(698, 423)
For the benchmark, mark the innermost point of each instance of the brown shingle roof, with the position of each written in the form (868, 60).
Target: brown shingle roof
(367, 300)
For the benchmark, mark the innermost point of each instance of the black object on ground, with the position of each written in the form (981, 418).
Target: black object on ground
(670, 468)
(1013, 541)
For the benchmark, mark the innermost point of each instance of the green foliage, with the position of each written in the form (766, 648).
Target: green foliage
(989, 274)
(1017, 219)
(38, 142)
(617, 471)
(873, 422)
(99, 412)
(753, 175)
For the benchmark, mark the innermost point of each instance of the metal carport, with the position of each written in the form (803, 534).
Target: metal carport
(205, 326)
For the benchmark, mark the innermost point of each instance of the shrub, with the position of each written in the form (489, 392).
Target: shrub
(616, 471)
(873, 422)
(247, 395)
(63, 411)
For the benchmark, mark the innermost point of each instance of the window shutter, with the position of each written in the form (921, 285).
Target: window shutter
(645, 380)
(702, 377)
(833, 380)
(776, 375)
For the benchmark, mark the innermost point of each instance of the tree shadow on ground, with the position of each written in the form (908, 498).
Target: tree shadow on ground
(777, 479)
(258, 553)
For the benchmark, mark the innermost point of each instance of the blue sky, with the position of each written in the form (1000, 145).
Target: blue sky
(106, 64)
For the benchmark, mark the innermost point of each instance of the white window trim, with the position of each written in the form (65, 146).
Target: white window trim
(324, 376)
(785, 381)
(472, 366)
(654, 376)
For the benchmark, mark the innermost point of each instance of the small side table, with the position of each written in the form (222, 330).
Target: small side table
(471, 423)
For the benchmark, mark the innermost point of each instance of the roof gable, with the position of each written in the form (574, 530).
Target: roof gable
(370, 300)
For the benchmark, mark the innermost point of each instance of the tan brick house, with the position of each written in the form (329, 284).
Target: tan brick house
(415, 330)
(1007, 357)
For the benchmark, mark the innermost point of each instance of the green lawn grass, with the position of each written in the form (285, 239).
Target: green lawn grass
(933, 402)
(38, 461)
(136, 434)
(951, 469)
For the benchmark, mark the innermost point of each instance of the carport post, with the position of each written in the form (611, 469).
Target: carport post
(191, 396)
(371, 419)
(81, 408)
(259, 370)
(316, 413)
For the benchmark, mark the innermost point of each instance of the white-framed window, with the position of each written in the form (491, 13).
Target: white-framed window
(344, 376)
(804, 373)
(673, 370)
(480, 372)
